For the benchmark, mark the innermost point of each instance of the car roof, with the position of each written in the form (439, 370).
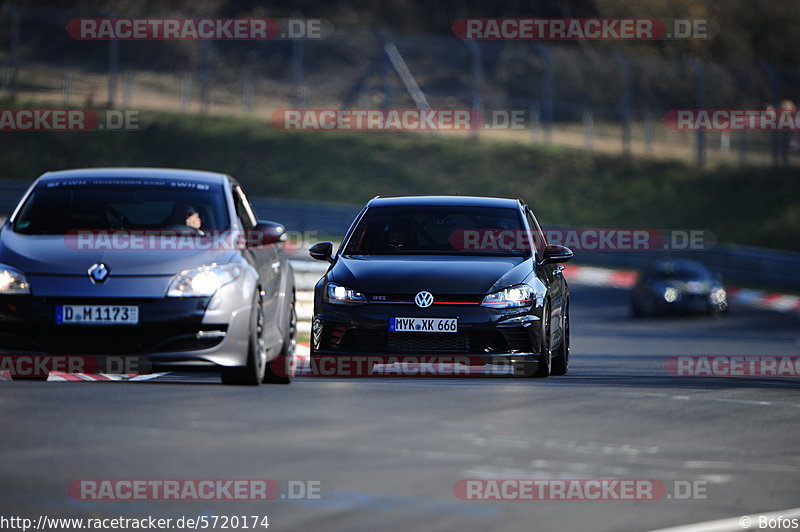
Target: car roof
(138, 173)
(468, 201)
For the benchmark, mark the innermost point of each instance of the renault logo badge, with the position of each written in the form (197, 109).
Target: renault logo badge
(99, 273)
(423, 299)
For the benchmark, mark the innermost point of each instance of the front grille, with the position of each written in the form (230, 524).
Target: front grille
(438, 299)
(409, 342)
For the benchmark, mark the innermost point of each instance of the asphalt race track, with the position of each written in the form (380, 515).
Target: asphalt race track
(390, 450)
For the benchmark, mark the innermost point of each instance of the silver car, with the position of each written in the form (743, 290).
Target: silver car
(169, 267)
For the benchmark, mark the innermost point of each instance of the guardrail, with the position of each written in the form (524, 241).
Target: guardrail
(742, 265)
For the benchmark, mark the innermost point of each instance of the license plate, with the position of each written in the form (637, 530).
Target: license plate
(98, 314)
(431, 325)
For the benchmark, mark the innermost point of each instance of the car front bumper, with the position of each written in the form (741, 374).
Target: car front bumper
(483, 334)
(171, 333)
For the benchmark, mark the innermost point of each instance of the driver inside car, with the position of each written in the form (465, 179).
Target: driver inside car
(186, 216)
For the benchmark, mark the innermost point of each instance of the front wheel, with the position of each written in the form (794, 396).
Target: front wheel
(561, 360)
(279, 370)
(253, 373)
(545, 350)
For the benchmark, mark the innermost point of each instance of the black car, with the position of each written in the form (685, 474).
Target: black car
(677, 287)
(170, 266)
(445, 275)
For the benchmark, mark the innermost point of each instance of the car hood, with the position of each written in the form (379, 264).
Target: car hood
(689, 287)
(58, 255)
(436, 274)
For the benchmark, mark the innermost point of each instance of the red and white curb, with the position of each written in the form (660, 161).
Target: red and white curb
(593, 276)
(765, 300)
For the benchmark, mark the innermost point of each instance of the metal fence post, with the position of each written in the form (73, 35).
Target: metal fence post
(127, 90)
(248, 95)
(388, 87)
(205, 78)
(186, 91)
(625, 102)
(649, 130)
(588, 127)
(13, 83)
(700, 103)
(475, 84)
(742, 147)
(113, 68)
(548, 90)
(535, 121)
(67, 87)
(297, 73)
(774, 90)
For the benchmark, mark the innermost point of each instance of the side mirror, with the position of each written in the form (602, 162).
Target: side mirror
(266, 233)
(322, 251)
(555, 253)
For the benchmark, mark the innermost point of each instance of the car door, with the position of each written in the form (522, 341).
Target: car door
(552, 276)
(266, 262)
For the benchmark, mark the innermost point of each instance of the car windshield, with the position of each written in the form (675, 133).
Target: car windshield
(682, 272)
(61, 207)
(439, 230)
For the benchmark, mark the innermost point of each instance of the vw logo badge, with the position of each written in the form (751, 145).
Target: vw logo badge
(99, 273)
(423, 299)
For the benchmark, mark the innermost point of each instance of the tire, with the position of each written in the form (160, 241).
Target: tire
(253, 373)
(282, 363)
(561, 360)
(545, 352)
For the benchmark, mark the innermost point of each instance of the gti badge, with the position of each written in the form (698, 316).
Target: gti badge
(99, 273)
(423, 299)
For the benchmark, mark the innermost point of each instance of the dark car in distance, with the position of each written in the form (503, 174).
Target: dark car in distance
(445, 275)
(170, 266)
(669, 286)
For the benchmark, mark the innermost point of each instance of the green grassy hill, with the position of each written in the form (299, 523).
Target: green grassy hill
(573, 187)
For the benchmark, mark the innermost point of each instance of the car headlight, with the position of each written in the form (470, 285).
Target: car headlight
(719, 297)
(513, 297)
(13, 281)
(203, 281)
(342, 295)
(671, 294)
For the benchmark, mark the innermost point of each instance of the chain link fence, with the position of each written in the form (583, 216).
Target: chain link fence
(580, 94)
